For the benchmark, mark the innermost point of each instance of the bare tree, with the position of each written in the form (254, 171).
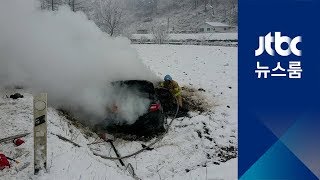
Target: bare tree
(155, 5)
(50, 4)
(213, 4)
(206, 2)
(160, 34)
(196, 3)
(230, 11)
(233, 12)
(109, 15)
(80, 5)
(72, 4)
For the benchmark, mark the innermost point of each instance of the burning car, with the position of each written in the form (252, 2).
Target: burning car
(148, 122)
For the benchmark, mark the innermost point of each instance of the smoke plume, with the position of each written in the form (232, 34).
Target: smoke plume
(69, 57)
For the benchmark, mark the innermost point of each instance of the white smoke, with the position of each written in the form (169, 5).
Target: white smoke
(124, 99)
(67, 56)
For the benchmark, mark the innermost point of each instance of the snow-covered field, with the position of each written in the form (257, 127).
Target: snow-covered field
(194, 148)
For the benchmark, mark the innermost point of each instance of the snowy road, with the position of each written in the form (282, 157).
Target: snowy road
(194, 148)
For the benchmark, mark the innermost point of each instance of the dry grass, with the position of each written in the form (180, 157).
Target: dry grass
(86, 130)
(194, 101)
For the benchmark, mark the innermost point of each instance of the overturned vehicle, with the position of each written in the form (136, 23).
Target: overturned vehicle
(139, 110)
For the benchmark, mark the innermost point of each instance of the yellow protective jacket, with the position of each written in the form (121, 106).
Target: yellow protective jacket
(172, 86)
(174, 89)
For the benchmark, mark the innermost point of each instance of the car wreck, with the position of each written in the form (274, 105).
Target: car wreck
(152, 122)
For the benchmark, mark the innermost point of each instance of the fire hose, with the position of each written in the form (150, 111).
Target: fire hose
(147, 146)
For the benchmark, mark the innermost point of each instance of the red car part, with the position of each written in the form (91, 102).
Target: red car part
(4, 162)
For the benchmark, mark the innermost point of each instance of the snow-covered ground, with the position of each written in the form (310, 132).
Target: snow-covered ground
(195, 147)
(195, 36)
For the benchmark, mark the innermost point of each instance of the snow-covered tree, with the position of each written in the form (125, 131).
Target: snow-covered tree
(50, 4)
(160, 34)
(109, 16)
(79, 5)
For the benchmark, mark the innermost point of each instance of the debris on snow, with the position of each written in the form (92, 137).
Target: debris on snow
(16, 96)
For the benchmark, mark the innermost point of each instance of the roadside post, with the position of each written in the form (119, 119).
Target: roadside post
(40, 132)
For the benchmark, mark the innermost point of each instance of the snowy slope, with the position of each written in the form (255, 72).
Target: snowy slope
(182, 14)
(194, 148)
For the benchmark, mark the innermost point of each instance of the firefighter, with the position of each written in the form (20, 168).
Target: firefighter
(173, 87)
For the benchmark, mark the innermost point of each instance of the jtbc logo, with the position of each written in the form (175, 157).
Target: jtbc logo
(266, 42)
